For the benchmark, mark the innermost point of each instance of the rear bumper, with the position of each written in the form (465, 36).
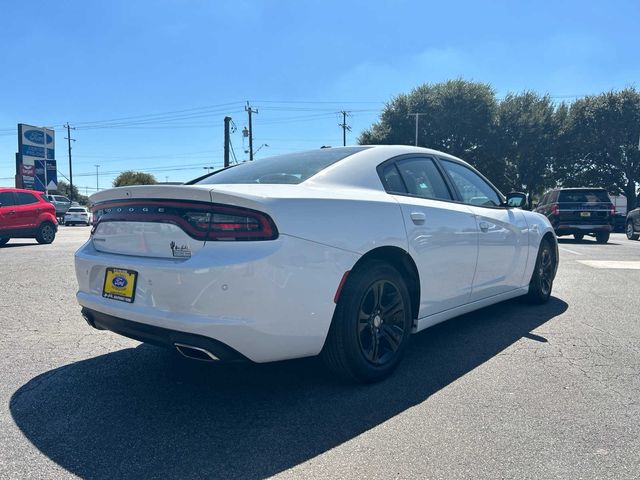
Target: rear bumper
(162, 337)
(569, 229)
(266, 300)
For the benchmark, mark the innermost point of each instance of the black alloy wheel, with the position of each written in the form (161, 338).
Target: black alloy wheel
(629, 232)
(381, 322)
(541, 282)
(371, 325)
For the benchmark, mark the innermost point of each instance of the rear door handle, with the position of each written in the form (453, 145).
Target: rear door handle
(484, 226)
(418, 217)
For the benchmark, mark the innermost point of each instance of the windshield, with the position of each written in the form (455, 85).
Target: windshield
(292, 168)
(584, 196)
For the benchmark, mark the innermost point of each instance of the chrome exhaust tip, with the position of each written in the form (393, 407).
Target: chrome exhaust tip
(195, 353)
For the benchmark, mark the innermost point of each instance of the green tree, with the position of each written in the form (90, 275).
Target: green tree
(526, 136)
(599, 142)
(134, 178)
(65, 189)
(458, 117)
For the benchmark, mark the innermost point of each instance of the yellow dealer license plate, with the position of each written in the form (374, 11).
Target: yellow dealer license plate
(120, 284)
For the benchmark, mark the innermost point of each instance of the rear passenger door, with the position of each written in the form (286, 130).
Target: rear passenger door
(442, 235)
(7, 212)
(27, 209)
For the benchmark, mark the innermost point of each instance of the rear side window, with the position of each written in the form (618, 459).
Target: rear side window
(423, 179)
(24, 198)
(292, 168)
(584, 196)
(6, 199)
(392, 181)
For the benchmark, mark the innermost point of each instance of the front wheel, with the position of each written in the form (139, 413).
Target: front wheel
(542, 279)
(629, 232)
(46, 233)
(602, 237)
(371, 325)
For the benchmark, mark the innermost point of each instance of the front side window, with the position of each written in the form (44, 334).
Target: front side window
(25, 198)
(422, 178)
(472, 187)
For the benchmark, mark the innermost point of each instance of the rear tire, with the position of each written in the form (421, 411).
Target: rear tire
(578, 236)
(602, 237)
(371, 324)
(541, 282)
(46, 233)
(629, 232)
(3, 241)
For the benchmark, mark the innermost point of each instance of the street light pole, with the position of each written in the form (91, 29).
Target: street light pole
(97, 187)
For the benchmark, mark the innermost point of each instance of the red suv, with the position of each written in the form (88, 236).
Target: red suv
(26, 214)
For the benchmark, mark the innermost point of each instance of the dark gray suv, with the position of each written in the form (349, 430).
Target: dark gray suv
(579, 212)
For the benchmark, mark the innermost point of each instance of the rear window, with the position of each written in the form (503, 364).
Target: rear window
(292, 168)
(584, 196)
(77, 209)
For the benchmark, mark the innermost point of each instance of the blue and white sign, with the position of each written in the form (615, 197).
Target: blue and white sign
(36, 146)
(50, 180)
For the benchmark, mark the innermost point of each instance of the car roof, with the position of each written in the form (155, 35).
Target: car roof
(356, 169)
(12, 189)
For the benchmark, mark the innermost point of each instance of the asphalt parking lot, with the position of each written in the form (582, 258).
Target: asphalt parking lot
(511, 391)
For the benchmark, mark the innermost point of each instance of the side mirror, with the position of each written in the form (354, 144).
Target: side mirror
(516, 200)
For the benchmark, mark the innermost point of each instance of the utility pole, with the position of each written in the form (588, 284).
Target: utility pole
(97, 187)
(344, 127)
(69, 140)
(249, 110)
(227, 120)
(417, 115)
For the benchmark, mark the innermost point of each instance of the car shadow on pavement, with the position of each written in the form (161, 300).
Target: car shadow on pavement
(142, 412)
(21, 244)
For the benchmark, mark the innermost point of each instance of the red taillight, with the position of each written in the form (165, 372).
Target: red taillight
(202, 221)
(555, 209)
(612, 210)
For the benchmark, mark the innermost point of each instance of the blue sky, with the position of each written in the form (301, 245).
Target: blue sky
(297, 62)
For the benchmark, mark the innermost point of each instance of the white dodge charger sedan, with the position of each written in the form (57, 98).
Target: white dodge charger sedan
(342, 252)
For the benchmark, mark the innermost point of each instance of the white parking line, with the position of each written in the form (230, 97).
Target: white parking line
(570, 251)
(619, 265)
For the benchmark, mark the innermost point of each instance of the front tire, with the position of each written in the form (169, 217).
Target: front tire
(629, 232)
(371, 324)
(541, 282)
(602, 237)
(46, 233)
